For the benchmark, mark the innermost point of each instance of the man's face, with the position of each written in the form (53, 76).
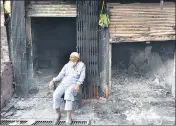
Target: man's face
(74, 59)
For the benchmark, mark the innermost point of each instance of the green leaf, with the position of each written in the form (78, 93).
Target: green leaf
(104, 20)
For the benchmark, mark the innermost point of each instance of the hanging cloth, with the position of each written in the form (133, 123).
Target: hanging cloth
(103, 20)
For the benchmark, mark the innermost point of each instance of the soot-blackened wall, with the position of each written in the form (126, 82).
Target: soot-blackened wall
(55, 39)
(154, 60)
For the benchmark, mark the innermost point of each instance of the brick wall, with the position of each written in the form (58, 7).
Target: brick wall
(6, 66)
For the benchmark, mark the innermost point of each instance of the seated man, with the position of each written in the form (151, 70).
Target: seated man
(71, 76)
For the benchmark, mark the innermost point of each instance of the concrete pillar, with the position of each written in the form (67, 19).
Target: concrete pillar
(104, 61)
(18, 48)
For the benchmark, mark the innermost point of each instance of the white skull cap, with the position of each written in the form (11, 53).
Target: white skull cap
(75, 54)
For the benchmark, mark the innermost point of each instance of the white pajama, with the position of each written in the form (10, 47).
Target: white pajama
(69, 77)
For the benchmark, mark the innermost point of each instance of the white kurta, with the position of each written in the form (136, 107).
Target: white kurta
(69, 77)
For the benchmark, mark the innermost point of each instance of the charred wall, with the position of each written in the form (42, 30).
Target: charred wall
(54, 40)
(154, 60)
(6, 66)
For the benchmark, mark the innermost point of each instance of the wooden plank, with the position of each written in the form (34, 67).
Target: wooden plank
(51, 10)
(141, 31)
(127, 32)
(51, 6)
(142, 23)
(140, 34)
(137, 15)
(162, 33)
(141, 13)
(116, 39)
(143, 10)
(112, 25)
(167, 5)
(126, 16)
(144, 30)
(51, 15)
(142, 20)
(116, 28)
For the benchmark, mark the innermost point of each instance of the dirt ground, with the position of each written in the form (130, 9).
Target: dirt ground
(133, 100)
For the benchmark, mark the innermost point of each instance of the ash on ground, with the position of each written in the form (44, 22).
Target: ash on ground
(133, 100)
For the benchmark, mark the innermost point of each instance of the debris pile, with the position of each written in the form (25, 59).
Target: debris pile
(134, 100)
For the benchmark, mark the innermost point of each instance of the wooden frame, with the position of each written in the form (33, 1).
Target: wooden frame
(29, 52)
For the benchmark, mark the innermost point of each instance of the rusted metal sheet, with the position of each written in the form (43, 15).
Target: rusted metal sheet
(141, 22)
(50, 9)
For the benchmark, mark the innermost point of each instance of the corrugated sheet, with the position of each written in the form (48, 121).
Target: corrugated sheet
(141, 22)
(51, 9)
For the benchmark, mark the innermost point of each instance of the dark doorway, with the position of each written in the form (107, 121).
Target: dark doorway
(53, 41)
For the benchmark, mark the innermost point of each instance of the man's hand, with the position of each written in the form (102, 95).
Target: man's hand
(51, 85)
(76, 88)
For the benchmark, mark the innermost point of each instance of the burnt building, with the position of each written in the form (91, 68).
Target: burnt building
(44, 33)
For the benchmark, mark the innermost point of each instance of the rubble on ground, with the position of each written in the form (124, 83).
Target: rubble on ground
(134, 100)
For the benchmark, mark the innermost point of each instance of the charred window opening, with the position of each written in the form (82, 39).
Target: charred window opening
(53, 40)
(154, 61)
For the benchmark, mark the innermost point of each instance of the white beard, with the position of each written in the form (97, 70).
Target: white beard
(72, 64)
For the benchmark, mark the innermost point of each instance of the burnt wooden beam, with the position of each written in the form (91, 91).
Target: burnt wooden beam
(18, 48)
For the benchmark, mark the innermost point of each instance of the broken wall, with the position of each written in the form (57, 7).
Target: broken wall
(153, 61)
(6, 66)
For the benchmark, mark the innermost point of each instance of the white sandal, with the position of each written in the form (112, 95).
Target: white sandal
(56, 120)
(68, 122)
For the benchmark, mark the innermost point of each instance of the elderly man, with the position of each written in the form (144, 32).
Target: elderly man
(71, 77)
